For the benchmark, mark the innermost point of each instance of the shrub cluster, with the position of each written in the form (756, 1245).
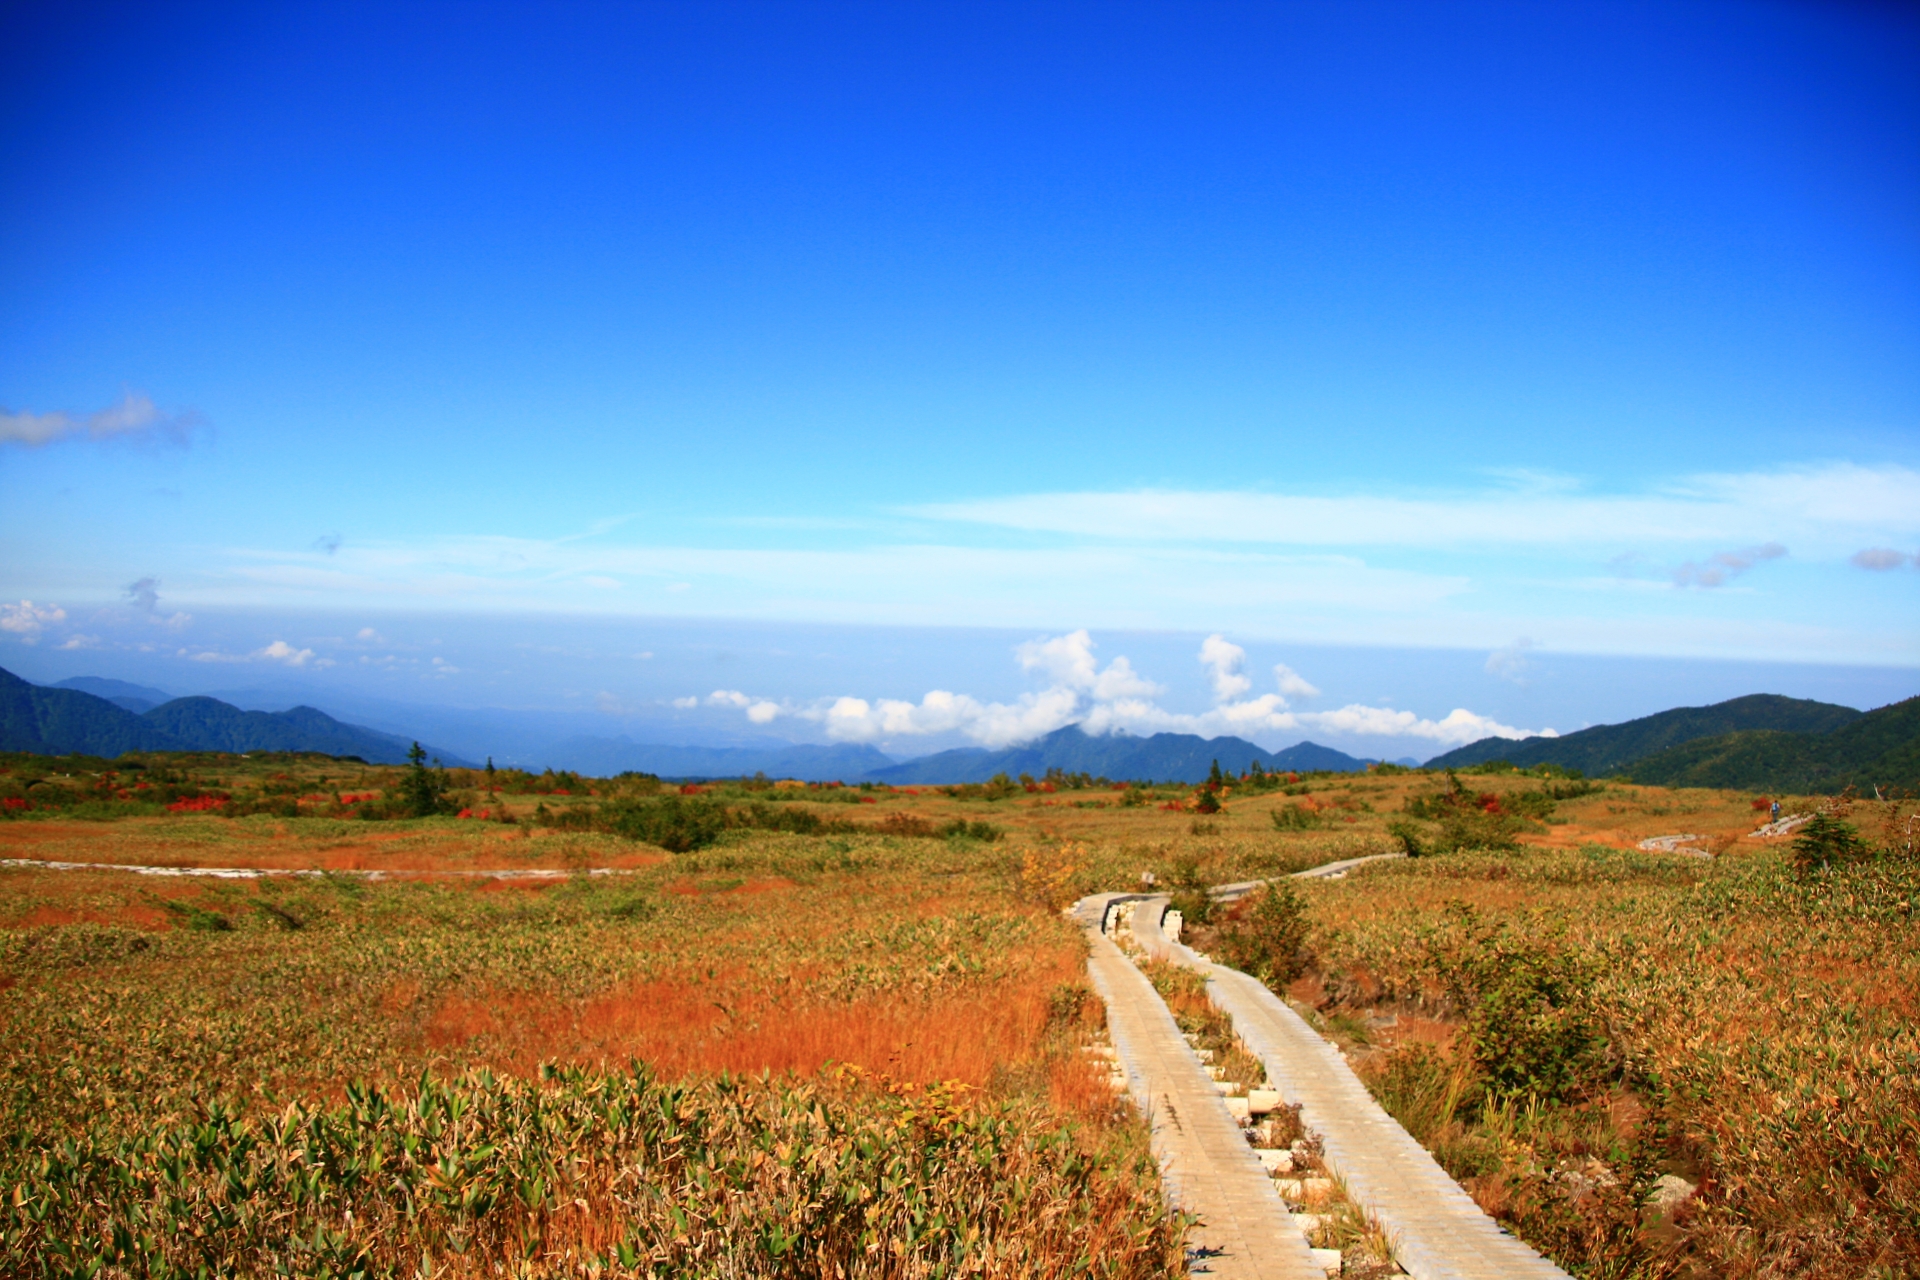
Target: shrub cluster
(1266, 935)
(1531, 1023)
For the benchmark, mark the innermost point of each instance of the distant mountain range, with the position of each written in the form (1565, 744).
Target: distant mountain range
(604, 757)
(1164, 757)
(1760, 742)
(1609, 748)
(74, 718)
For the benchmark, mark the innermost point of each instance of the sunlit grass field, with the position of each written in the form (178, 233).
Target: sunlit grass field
(856, 1049)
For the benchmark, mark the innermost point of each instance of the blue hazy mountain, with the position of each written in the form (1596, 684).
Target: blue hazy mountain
(137, 698)
(1164, 757)
(66, 720)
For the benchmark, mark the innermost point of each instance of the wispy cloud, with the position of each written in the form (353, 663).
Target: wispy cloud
(144, 595)
(279, 651)
(133, 417)
(1510, 662)
(1105, 700)
(1704, 508)
(1881, 559)
(1724, 566)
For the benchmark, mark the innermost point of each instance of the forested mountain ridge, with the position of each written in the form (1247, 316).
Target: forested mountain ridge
(1878, 749)
(1611, 748)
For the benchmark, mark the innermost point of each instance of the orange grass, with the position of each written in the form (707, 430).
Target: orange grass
(682, 1028)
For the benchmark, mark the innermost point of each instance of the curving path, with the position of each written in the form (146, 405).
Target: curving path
(1436, 1229)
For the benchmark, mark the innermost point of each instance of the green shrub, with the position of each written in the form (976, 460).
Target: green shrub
(960, 829)
(1413, 841)
(1468, 819)
(1267, 937)
(1189, 891)
(675, 823)
(1531, 1027)
(1294, 817)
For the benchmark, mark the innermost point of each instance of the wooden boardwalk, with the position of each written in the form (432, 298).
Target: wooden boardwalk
(1436, 1229)
(1206, 1165)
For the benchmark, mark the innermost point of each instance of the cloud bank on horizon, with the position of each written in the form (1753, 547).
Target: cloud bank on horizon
(1109, 699)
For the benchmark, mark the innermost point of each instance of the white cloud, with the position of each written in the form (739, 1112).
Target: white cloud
(1525, 512)
(134, 416)
(27, 619)
(78, 641)
(1880, 559)
(1458, 728)
(1068, 660)
(759, 710)
(686, 704)
(1223, 660)
(281, 651)
(1510, 662)
(1292, 683)
(369, 636)
(1081, 693)
(1725, 566)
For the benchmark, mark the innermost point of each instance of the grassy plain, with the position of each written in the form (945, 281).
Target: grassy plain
(857, 1048)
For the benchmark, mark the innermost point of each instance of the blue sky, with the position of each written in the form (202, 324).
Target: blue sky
(1575, 334)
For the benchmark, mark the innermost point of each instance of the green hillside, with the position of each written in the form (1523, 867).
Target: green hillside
(1611, 748)
(1880, 748)
(65, 721)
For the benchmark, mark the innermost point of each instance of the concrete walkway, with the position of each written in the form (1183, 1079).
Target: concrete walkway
(1435, 1228)
(1206, 1165)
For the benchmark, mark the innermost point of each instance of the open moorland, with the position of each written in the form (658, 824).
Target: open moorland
(546, 1025)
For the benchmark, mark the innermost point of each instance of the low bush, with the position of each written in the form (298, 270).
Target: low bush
(1294, 817)
(1266, 935)
(675, 823)
(1531, 1024)
(1189, 891)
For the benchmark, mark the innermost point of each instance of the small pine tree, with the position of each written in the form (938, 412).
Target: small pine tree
(423, 791)
(1826, 839)
(1215, 779)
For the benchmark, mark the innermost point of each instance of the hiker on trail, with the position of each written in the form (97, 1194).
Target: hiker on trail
(1776, 811)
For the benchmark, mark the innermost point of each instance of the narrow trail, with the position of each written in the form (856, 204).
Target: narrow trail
(1435, 1228)
(357, 873)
